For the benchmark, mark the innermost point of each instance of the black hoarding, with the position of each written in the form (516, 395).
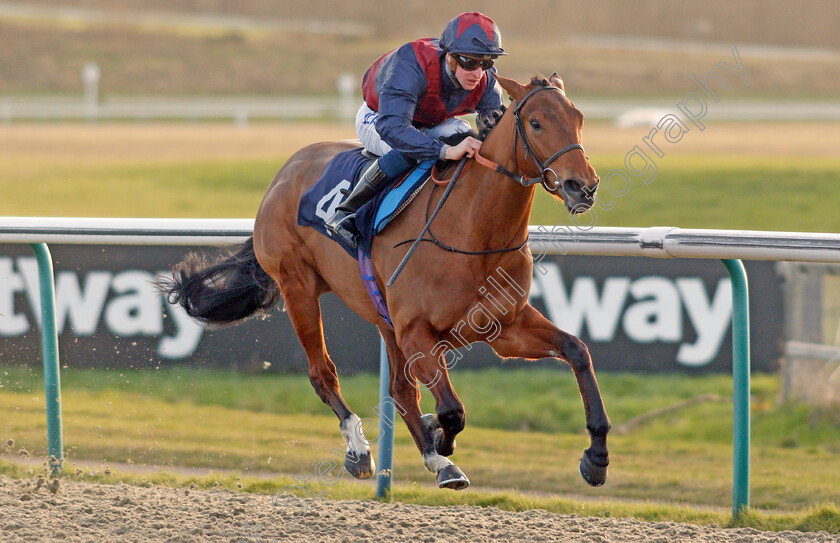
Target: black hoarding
(636, 314)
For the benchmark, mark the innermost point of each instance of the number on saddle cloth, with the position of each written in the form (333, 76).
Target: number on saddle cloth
(319, 203)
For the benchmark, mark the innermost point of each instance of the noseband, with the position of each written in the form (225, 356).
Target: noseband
(529, 150)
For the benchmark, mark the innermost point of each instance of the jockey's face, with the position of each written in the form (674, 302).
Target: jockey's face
(468, 79)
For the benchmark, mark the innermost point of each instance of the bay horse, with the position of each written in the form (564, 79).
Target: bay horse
(441, 301)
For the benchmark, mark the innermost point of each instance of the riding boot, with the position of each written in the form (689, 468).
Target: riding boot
(343, 222)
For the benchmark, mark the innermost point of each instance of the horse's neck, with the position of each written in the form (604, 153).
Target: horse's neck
(495, 207)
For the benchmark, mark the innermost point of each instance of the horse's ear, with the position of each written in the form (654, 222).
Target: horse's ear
(514, 89)
(557, 81)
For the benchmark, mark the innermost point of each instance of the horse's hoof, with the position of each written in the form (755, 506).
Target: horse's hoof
(359, 466)
(430, 421)
(452, 477)
(592, 473)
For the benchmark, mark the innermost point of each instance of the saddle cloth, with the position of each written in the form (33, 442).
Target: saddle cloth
(319, 203)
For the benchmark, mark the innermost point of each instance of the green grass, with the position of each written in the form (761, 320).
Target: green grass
(179, 188)
(814, 517)
(726, 192)
(538, 400)
(690, 192)
(274, 423)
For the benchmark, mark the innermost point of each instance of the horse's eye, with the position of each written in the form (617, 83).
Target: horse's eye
(535, 124)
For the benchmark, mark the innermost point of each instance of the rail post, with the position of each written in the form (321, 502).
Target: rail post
(49, 342)
(385, 462)
(740, 384)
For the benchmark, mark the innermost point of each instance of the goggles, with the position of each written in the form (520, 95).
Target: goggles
(471, 63)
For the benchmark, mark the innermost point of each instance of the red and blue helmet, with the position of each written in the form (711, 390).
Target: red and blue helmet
(473, 34)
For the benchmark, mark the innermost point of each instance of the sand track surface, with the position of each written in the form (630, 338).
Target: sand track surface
(33, 510)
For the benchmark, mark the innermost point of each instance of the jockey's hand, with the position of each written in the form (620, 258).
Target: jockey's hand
(468, 147)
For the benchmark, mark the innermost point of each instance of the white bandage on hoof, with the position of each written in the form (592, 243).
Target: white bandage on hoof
(435, 462)
(351, 431)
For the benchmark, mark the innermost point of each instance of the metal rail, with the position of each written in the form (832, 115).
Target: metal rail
(658, 242)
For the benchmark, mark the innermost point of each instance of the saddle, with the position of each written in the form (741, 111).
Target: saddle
(319, 203)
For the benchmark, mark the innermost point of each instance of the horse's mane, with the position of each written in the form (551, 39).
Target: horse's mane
(457, 138)
(538, 80)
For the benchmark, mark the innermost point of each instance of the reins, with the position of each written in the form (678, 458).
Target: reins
(451, 249)
(443, 198)
(433, 239)
(461, 251)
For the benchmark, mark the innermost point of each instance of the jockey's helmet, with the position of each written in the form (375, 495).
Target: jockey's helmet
(473, 34)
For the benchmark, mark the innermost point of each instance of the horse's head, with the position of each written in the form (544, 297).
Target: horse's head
(548, 140)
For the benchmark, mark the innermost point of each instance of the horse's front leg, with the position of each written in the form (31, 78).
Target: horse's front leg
(533, 336)
(416, 365)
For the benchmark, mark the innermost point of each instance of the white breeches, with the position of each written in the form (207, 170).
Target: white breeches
(366, 129)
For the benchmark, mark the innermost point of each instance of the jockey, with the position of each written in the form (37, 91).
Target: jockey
(411, 98)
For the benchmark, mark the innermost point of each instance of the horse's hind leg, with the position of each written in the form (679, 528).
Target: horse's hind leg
(435, 440)
(305, 313)
(533, 336)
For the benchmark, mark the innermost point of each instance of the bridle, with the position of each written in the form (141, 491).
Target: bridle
(543, 166)
(522, 180)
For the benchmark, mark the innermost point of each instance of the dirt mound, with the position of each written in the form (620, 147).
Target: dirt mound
(75, 512)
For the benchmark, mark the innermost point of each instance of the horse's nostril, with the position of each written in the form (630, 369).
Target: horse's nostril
(573, 187)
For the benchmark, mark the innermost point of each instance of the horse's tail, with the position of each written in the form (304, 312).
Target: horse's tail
(221, 292)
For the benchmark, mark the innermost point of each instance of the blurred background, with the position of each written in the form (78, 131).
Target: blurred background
(177, 52)
(187, 108)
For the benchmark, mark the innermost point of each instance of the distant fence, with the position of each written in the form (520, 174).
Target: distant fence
(242, 109)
